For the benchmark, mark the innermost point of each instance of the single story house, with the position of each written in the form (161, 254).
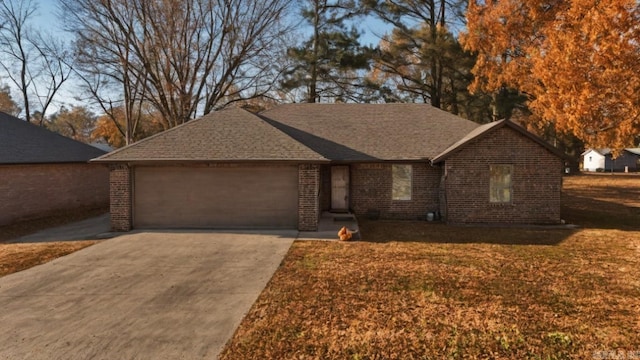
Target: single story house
(281, 168)
(602, 160)
(42, 172)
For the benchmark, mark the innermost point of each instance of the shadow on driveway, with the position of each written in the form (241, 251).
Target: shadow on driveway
(89, 229)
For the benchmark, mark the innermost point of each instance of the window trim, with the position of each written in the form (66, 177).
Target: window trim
(493, 186)
(394, 183)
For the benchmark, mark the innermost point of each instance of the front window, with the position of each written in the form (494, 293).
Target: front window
(401, 189)
(500, 183)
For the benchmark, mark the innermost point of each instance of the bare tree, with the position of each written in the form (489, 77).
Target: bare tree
(185, 57)
(31, 61)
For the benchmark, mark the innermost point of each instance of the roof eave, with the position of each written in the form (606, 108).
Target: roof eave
(447, 153)
(200, 161)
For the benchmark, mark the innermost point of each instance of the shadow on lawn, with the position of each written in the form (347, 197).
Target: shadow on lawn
(432, 232)
(590, 213)
(589, 202)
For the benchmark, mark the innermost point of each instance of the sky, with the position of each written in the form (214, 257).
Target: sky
(48, 19)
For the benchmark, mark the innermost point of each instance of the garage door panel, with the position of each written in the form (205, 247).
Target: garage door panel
(242, 197)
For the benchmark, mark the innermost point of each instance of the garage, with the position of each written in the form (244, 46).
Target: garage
(232, 197)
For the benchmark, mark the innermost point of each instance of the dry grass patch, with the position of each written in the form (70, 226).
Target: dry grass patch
(416, 290)
(18, 257)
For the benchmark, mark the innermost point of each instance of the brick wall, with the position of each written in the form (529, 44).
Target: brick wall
(371, 186)
(121, 194)
(33, 191)
(536, 181)
(308, 197)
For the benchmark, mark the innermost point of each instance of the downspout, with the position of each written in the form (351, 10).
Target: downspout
(442, 192)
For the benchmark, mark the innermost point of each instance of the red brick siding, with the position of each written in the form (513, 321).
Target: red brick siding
(536, 181)
(33, 191)
(308, 197)
(371, 190)
(121, 196)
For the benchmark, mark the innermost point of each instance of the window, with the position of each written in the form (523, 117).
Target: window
(500, 183)
(401, 189)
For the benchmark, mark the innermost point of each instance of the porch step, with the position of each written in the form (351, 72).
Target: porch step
(345, 217)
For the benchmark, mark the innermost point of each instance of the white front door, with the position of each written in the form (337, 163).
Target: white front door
(340, 187)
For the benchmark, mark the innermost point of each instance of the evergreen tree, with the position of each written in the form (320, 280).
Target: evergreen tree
(328, 64)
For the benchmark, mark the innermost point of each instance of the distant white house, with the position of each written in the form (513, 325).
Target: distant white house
(602, 160)
(593, 159)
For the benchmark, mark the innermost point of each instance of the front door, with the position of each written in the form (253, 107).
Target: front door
(340, 188)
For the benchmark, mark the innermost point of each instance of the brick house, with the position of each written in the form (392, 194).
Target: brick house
(42, 172)
(283, 167)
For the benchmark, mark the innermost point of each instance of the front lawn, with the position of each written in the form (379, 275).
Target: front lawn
(417, 290)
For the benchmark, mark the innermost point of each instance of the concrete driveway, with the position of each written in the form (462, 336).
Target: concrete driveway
(151, 295)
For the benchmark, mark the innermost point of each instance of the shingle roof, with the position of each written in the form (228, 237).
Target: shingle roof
(224, 135)
(306, 132)
(24, 143)
(607, 151)
(361, 132)
(486, 128)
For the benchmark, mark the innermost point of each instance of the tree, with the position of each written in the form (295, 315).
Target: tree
(110, 131)
(421, 60)
(415, 53)
(181, 57)
(576, 61)
(76, 123)
(33, 62)
(7, 104)
(326, 65)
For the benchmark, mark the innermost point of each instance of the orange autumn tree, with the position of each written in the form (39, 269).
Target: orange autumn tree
(111, 127)
(577, 61)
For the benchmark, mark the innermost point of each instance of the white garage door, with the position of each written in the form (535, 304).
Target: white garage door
(209, 197)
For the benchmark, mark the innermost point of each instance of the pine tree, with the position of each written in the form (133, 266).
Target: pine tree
(327, 64)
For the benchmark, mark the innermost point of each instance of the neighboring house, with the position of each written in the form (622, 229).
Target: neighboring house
(42, 172)
(602, 160)
(283, 167)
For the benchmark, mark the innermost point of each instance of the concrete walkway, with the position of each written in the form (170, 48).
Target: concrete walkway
(152, 295)
(93, 228)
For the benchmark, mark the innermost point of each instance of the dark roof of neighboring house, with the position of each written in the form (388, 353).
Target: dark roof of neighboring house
(607, 151)
(361, 132)
(224, 135)
(306, 132)
(487, 128)
(25, 143)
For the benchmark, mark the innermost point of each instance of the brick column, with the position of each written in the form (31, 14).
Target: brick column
(308, 197)
(120, 194)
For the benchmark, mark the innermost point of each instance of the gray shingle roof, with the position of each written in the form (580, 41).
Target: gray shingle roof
(306, 132)
(607, 151)
(224, 135)
(635, 151)
(361, 132)
(25, 143)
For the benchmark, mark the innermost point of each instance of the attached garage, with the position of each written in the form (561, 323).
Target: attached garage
(236, 196)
